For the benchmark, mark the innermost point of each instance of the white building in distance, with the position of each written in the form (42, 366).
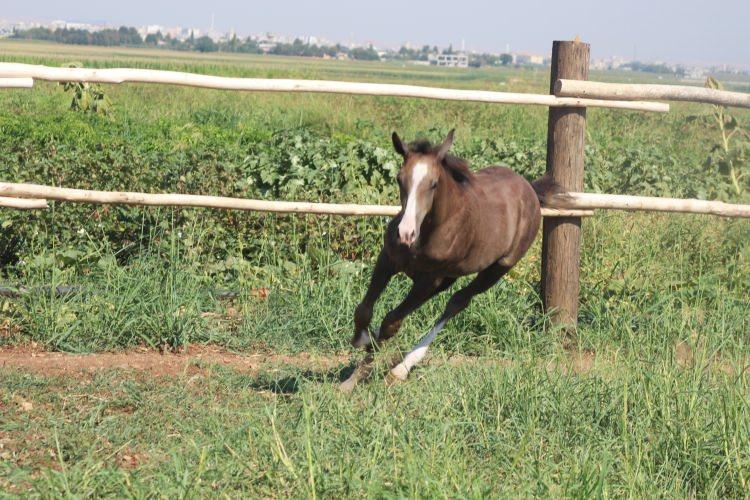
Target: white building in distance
(459, 60)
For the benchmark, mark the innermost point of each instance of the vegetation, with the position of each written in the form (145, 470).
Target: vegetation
(659, 68)
(128, 36)
(107, 37)
(513, 418)
(731, 156)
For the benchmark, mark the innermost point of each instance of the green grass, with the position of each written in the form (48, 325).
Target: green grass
(638, 424)
(624, 429)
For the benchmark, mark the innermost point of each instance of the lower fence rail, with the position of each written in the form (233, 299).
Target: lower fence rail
(29, 196)
(193, 200)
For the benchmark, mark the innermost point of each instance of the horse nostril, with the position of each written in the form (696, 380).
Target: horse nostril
(407, 236)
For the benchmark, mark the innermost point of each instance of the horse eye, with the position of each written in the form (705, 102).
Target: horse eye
(433, 185)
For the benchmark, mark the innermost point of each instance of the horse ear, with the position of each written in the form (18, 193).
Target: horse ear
(446, 145)
(399, 145)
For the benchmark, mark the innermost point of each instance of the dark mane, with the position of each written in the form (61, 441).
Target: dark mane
(457, 167)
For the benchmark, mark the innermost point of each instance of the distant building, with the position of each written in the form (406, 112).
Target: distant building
(459, 60)
(151, 29)
(188, 32)
(266, 46)
(609, 63)
(694, 73)
(524, 58)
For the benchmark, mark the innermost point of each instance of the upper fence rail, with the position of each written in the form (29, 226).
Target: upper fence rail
(123, 75)
(633, 91)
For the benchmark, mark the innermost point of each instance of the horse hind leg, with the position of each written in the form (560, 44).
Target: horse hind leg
(457, 303)
(424, 288)
(401, 371)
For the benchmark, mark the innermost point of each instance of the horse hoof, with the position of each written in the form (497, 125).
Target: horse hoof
(363, 339)
(398, 373)
(347, 386)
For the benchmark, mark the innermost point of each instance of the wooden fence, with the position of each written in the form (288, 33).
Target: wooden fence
(569, 97)
(124, 75)
(633, 91)
(16, 83)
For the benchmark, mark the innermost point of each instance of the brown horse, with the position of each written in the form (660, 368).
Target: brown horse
(453, 222)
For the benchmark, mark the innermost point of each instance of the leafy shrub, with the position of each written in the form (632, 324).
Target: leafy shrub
(87, 97)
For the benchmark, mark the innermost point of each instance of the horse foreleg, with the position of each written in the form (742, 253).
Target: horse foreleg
(423, 289)
(457, 303)
(381, 275)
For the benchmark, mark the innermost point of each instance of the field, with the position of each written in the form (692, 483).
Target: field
(650, 397)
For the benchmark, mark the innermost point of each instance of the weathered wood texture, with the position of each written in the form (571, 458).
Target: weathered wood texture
(193, 200)
(634, 91)
(122, 75)
(566, 130)
(16, 83)
(591, 201)
(561, 205)
(22, 204)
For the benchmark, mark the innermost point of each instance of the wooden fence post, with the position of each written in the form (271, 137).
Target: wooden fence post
(566, 130)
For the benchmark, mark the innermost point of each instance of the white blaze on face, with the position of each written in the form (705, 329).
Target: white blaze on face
(409, 227)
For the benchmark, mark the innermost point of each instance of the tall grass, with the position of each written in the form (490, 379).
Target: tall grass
(628, 428)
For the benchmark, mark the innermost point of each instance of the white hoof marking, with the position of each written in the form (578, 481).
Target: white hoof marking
(400, 372)
(363, 340)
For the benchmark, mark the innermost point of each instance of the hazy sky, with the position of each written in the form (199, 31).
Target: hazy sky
(715, 31)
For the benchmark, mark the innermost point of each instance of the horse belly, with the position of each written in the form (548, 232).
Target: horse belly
(509, 219)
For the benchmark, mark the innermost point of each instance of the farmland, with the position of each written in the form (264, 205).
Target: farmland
(650, 394)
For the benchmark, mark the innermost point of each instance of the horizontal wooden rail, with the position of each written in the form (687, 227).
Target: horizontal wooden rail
(193, 200)
(561, 205)
(592, 201)
(122, 75)
(23, 204)
(634, 91)
(16, 83)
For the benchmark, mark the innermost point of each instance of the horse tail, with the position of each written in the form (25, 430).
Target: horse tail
(546, 187)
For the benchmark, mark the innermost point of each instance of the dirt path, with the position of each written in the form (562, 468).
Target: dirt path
(33, 359)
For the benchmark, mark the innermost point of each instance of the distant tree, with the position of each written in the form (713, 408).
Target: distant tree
(154, 38)
(205, 44)
(128, 36)
(650, 68)
(363, 54)
(249, 46)
(506, 59)
(233, 43)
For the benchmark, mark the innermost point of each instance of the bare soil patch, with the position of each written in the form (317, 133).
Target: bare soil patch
(196, 358)
(152, 362)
